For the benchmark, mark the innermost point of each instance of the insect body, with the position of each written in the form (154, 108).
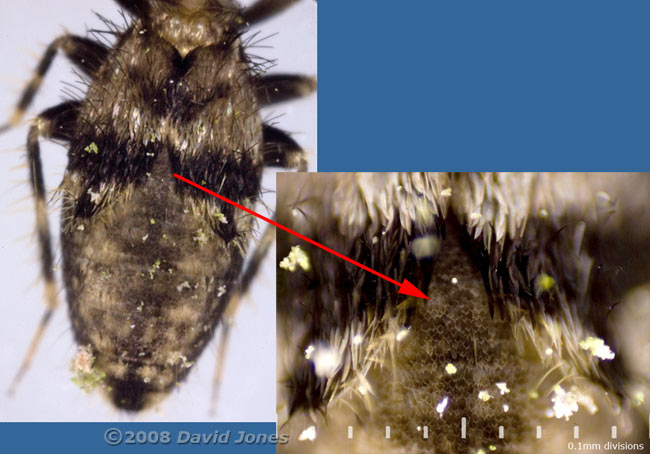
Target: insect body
(150, 265)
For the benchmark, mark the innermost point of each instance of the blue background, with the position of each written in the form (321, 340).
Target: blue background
(484, 85)
(89, 437)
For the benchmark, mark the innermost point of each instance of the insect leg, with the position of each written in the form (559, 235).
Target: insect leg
(277, 88)
(264, 9)
(84, 53)
(280, 150)
(137, 7)
(56, 122)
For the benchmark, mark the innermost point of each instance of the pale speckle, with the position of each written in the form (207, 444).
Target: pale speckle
(183, 286)
(200, 237)
(221, 291)
(544, 283)
(357, 339)
(92, 148)
(503, 388)
(586, 401)
(81, 227)
(176, 358)
(454, 280)
(401, 335)
(484, 396)
(475, 216)
(442, 406)
(506, 407)
(565, 404)
(220, 217)
(83, 360)
(297, 258)
(639, 398)
(144, 238)
(86, 376)
(597, 348)
(309, 350)
(548, 351)
(450, 369)
(326, 361)
(308, 434)
(95, 197)
(445, 192)
(132, 326)
(155, 267)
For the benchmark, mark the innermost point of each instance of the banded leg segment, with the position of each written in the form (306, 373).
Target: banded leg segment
(280, 150)
(56, 122)
(140, 8)
(277, 88)
(85, 54)
(264, 9)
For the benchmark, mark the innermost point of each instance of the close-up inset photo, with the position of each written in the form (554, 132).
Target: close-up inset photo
(130, 295)
(530, 335)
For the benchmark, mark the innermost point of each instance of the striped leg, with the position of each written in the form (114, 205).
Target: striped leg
(264, 9)
(56, 123)
(85, 54)
(276, 88)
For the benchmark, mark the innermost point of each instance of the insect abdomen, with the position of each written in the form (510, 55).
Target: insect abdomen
(146, 288)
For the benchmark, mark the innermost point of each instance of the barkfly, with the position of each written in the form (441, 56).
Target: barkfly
(246, 368)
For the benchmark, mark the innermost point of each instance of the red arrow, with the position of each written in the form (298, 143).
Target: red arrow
(405, 288)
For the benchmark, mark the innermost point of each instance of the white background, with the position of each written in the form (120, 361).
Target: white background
(46, 393)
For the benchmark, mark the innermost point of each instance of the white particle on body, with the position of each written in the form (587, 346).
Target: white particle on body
(442, 406)
(308, 434)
